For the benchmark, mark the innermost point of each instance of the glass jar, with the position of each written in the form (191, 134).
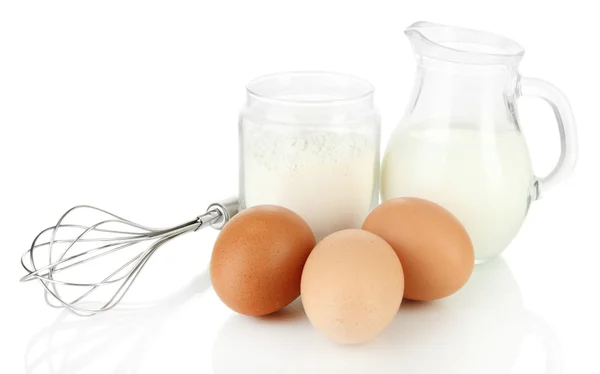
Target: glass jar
(309, 141)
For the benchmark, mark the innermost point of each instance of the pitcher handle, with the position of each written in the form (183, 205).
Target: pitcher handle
(566, 127)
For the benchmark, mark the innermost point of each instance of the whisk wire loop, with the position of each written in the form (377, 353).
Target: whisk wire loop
(111, 236)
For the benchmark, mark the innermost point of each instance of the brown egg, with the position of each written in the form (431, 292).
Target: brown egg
(352, 286)
(257, 261)
(434, 248)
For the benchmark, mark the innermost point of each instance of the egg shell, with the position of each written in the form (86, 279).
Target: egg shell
(352, 286)
(434, 248)
(258, 257)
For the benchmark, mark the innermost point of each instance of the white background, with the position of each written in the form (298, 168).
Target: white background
(132, 106)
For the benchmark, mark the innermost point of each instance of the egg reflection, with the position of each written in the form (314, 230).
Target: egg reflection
(480, 329)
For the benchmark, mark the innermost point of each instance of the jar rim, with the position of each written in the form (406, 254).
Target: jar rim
(310, 88)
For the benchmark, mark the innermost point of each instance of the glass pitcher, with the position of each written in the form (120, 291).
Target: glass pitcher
(460, 144)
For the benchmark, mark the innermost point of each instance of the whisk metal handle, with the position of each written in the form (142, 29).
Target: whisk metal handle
(226, 209)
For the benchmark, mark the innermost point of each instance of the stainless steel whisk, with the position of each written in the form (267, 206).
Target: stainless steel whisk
(124, 246)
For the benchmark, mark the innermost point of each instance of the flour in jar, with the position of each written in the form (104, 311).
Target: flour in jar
(327, 177)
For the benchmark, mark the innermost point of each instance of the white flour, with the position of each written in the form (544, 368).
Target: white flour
(327, 177)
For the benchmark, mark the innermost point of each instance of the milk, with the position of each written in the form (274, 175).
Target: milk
(483, 177)
(328, 177)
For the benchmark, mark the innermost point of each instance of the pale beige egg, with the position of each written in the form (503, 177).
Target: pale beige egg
(352, 286)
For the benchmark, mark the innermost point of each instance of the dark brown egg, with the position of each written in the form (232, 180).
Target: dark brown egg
(434, 248)
(257, 261)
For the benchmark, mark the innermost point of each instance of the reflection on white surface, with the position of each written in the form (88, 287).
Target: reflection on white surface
(73, 344)
(478, 330)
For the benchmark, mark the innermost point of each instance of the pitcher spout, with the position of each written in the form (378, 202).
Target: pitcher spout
(462, 45)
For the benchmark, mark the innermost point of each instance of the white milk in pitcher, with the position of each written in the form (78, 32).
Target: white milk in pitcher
(483, 177)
